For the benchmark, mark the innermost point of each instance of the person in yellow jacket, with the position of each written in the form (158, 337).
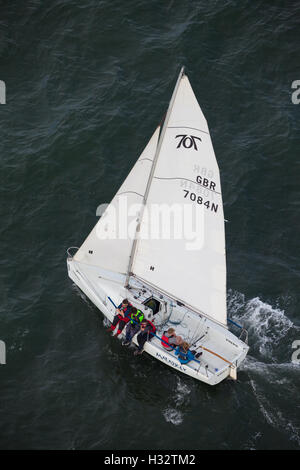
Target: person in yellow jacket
(133, 326)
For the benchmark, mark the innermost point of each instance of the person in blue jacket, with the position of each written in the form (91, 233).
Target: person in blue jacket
(183, 353)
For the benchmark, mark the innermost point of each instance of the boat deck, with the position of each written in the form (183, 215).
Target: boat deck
(215, 356)
(197, 330)
(218, 345)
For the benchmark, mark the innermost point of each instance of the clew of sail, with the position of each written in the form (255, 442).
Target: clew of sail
(182, 253)
(109, 244)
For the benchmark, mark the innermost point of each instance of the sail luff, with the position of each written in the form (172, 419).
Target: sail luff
(163, 130)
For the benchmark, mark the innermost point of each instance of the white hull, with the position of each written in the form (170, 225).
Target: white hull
(222, 352)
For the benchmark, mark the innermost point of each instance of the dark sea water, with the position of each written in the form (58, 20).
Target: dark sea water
(87, 82)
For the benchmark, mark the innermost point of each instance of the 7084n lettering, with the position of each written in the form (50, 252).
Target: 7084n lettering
(199, 200)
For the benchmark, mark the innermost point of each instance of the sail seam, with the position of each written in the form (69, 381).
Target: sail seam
(133, 192)
(187, 127)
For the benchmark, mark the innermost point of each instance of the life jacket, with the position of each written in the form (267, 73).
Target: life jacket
(153, 328)
(127, 310)
(165, 341)
(182, 354)
(136, 317)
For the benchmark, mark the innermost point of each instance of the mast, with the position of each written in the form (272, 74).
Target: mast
(163, 131)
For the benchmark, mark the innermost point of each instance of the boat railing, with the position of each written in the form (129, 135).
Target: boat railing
(244, 332)
(70, 255)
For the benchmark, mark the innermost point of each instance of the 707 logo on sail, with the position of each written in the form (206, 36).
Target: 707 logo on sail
(188, 141)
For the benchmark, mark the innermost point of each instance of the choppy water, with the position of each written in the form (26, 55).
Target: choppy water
(86, 84)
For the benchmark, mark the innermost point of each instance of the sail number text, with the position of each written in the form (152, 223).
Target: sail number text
(199, 200)
(206, 183)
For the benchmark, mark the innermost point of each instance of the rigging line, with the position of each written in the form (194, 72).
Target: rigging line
(196, 336)
(90, 285)
(179, 320)
(198, 339)
(98, 267)
(196, 332)
(186, 179)
(187, 127)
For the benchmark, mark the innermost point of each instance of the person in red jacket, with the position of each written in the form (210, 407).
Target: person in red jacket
(168, 339)
(146, 333)
(122, 316)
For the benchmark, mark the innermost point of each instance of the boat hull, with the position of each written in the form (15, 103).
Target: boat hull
(110, 293)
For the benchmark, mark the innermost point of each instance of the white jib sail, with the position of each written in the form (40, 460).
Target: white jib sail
(181, 245)
(109, 244)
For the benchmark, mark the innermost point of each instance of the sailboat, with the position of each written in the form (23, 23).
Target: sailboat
(160, 243)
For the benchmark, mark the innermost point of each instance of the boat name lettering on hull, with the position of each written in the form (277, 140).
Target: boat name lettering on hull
(231, 343)
(169, 361)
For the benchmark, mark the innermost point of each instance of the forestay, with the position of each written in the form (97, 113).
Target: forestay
(185, 259)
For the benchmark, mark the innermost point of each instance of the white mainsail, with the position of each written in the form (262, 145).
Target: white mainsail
(108, 246)
(177, 178)
(185, 175)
